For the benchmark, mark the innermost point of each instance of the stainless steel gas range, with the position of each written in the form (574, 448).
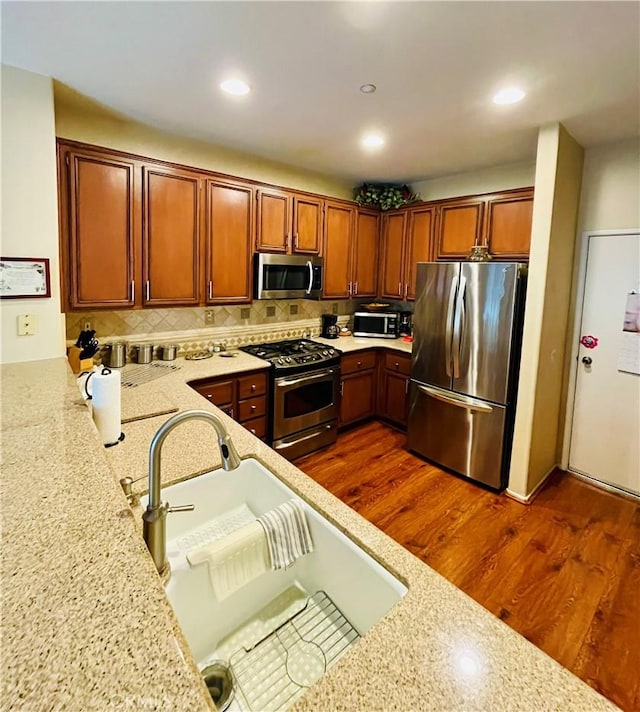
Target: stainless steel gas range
(305, 380)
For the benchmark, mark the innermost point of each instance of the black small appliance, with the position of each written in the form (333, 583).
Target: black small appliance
(330, 328)
(404, 327)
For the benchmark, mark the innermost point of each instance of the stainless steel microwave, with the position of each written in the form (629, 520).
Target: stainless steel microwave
(287, 276)
(383, 325)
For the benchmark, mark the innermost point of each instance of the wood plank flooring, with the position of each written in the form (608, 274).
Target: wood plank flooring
(564, 571)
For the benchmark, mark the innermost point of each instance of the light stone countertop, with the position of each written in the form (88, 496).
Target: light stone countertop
(85, 622)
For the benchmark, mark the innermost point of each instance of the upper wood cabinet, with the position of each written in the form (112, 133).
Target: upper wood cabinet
(406, 240)
(98, 229)
(459, 228)
(288, 222)
(500, 221)
(364, 262)
(508, 225)
(339, 222)
(171, 237)
(229, 230)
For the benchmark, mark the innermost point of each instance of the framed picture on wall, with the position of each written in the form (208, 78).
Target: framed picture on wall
(24, 277)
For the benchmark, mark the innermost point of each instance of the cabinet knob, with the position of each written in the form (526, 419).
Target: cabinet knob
(252, 431)
(253, 407)
(253, 386)
(209, 396)
(397, 365)
(359, 364)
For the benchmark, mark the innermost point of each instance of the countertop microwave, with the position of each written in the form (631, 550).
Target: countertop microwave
(383, 325)
(287, 276)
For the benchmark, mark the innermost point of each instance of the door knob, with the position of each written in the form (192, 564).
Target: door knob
(587, 360)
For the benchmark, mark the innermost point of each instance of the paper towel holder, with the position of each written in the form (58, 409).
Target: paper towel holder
(105, 372)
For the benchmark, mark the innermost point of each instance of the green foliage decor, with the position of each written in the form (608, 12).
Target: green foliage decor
(386, 196)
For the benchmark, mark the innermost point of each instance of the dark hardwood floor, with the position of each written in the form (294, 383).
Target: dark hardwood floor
(564, 571)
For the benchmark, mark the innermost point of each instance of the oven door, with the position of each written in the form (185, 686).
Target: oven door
(305, 400)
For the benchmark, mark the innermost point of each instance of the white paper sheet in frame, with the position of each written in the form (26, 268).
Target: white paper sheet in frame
(629, 347)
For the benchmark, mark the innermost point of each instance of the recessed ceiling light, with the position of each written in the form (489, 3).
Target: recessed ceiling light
(368, 88)
(508, 96)
(372, 140)
(237, 87)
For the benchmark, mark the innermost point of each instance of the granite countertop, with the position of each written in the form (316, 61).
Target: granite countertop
(86, 624)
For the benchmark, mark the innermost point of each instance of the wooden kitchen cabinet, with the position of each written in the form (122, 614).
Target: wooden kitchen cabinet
(406, 240)
(98, 229)
(243, 398)
(171, 236)
(288, 222)
(459, 228)
(364, 255)
(228, 231)
(508, 225)
(394, 387)
(339, 220)
(358, 383)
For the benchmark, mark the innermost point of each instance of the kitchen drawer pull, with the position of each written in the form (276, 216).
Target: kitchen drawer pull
(254, 387)
(148, 290)
(133, 290)
(397, 365)
(355, 288)
(253, 407)
(359, 364)
(210, 289)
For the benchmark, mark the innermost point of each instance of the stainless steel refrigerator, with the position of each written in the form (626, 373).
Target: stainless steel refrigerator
(467, 327)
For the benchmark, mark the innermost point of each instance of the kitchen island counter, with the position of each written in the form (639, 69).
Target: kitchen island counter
(86, 624)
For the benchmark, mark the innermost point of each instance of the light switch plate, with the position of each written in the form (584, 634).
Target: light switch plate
(27, 324)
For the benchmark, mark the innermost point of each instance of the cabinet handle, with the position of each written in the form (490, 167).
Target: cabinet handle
(400, 289)
(359, 364)
(133, 290)
(252, 431)
(209, 396)
(406, 387)
(296, 240)
(355, 287)
(231, 413)
(253, 386)
(288, 240)
(349, 289)
(210, 289)
(397, 365)
(341, 388)
(406, 291)
(148, 289)
(253, 407)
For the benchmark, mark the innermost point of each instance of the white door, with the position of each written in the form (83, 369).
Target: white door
(605, 439)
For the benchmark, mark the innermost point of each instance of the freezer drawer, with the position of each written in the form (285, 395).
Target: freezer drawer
(463, 434)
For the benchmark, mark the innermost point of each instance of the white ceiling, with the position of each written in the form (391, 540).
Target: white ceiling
(436, 66)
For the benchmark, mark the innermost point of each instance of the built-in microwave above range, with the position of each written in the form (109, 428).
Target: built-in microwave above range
(287, 276)
(383, 325)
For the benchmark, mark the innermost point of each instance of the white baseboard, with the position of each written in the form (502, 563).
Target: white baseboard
(532, 495)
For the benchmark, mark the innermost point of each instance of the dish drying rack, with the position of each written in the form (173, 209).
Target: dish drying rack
(273, 673)
(137, 374)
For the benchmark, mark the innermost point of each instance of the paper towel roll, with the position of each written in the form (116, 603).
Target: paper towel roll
(106, 405)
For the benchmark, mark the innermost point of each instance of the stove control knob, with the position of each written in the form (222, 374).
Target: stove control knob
(325, 353)
(331, 352)
(280, 361)
(288, 359)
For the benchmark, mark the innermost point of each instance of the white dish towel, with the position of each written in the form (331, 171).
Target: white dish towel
(235, 560)
(287, 532)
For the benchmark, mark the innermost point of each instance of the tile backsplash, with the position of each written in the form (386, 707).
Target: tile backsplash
(171, 324)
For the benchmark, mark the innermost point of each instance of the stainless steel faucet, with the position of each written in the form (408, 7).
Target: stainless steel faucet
(155, 516)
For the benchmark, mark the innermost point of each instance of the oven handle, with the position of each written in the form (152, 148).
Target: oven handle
(304, 379)
(290, 443)
(310, 266)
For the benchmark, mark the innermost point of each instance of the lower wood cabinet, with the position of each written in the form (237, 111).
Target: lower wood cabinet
(244, 398)
(375, 383)
(394, 387)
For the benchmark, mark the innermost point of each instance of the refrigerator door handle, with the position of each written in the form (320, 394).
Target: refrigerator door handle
(457, 326)
(460, 401)
(448, 331)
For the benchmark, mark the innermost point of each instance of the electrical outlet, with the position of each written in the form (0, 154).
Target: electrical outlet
(208, 317)
(87, 326)
(27, 324)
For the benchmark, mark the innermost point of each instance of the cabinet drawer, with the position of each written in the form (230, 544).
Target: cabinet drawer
(251, 408)
(398, 363)
(219, 393)
(257, 427)
(253, 385)
(359, 361)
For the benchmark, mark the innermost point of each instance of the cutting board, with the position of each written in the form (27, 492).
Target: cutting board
(138, 406)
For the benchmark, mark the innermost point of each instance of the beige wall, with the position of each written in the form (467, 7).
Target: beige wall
(542, 390)
(487, 180)
(611, 187)
(82, 119)
(29, 209)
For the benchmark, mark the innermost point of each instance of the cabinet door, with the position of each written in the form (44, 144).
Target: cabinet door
(307, 225)
(229, 233)
(171, 236)
(365, 255)
(508, 229)
(394, 397)
(338, 238)
(459, 229)
(273, 226)
(392, 257)
(101, 239)
(358, 397)
(419, 245)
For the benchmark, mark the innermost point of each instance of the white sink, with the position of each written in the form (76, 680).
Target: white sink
(340, 584)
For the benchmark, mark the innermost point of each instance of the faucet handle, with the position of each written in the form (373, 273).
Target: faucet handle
(126, 483)
(181, 508)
